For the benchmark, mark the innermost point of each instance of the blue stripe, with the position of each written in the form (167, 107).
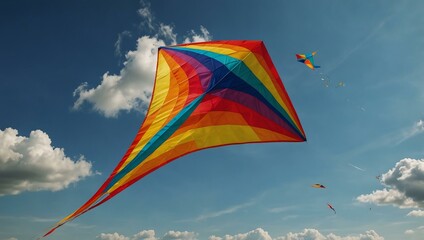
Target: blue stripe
(160, 137)
(241, 79)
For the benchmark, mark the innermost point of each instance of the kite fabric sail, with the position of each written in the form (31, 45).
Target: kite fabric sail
(317, 185)
(205, 95)
(307, 59)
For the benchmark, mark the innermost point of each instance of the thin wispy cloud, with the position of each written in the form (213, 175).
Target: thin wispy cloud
(389, 139)
(416, 129)
(288, 217)
(281, 209)
(226, 211)
(374, 31)
(29, 218)
(146, 13)
(118, 43)
(356, 167)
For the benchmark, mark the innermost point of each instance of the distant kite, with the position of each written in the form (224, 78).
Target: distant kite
(317, 185)
(340, 84)
(205, 95)
(307, 59)
(331, 207)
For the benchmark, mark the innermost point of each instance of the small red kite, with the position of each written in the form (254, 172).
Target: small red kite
(331, 207)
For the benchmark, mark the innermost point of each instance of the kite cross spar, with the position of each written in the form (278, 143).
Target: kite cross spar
(205, 95)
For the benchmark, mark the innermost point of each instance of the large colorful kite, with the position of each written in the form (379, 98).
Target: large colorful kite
(205, 95)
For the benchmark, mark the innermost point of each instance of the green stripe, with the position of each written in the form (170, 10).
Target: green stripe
(160, 137)
(240, 69)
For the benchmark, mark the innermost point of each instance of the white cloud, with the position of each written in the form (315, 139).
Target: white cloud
(257, 234)
(415, 129)
(403, 186)
(168, 32)
(371, 34)
(196, 37)
(416, 213)
(131, 89)
(313, 234)
(33, 164)
(118, 43)
(224, 212)
(145, 235)
(281, 209)
(177, 235)
(146, 14)
(112, 236)
(150, 235)
(356, 167)
(387, 197)
(409, 232)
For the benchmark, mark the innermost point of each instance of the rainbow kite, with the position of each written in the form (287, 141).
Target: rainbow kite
(307, 59)
(205, 95)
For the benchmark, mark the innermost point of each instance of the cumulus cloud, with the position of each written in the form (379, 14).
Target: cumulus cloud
(177, 235)
(257, 234)
(416, 213)
(33, 164)
(314, 234)
(145, 235)
(203, 36)
(409, 232)
(306, 234)
(310, 234)
(112, 236)
(150, 235)
(131, 89)
(403, 186)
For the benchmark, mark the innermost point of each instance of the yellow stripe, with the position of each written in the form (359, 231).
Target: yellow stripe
(203, 137)
(162, 89)
(253, 64)
(257, 69)
(235, 52)
(161, 85)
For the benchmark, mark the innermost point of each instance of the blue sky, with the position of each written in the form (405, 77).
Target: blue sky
(63, 128)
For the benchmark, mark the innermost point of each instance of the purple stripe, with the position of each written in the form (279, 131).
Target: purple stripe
(252, 103)
(201, 71)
